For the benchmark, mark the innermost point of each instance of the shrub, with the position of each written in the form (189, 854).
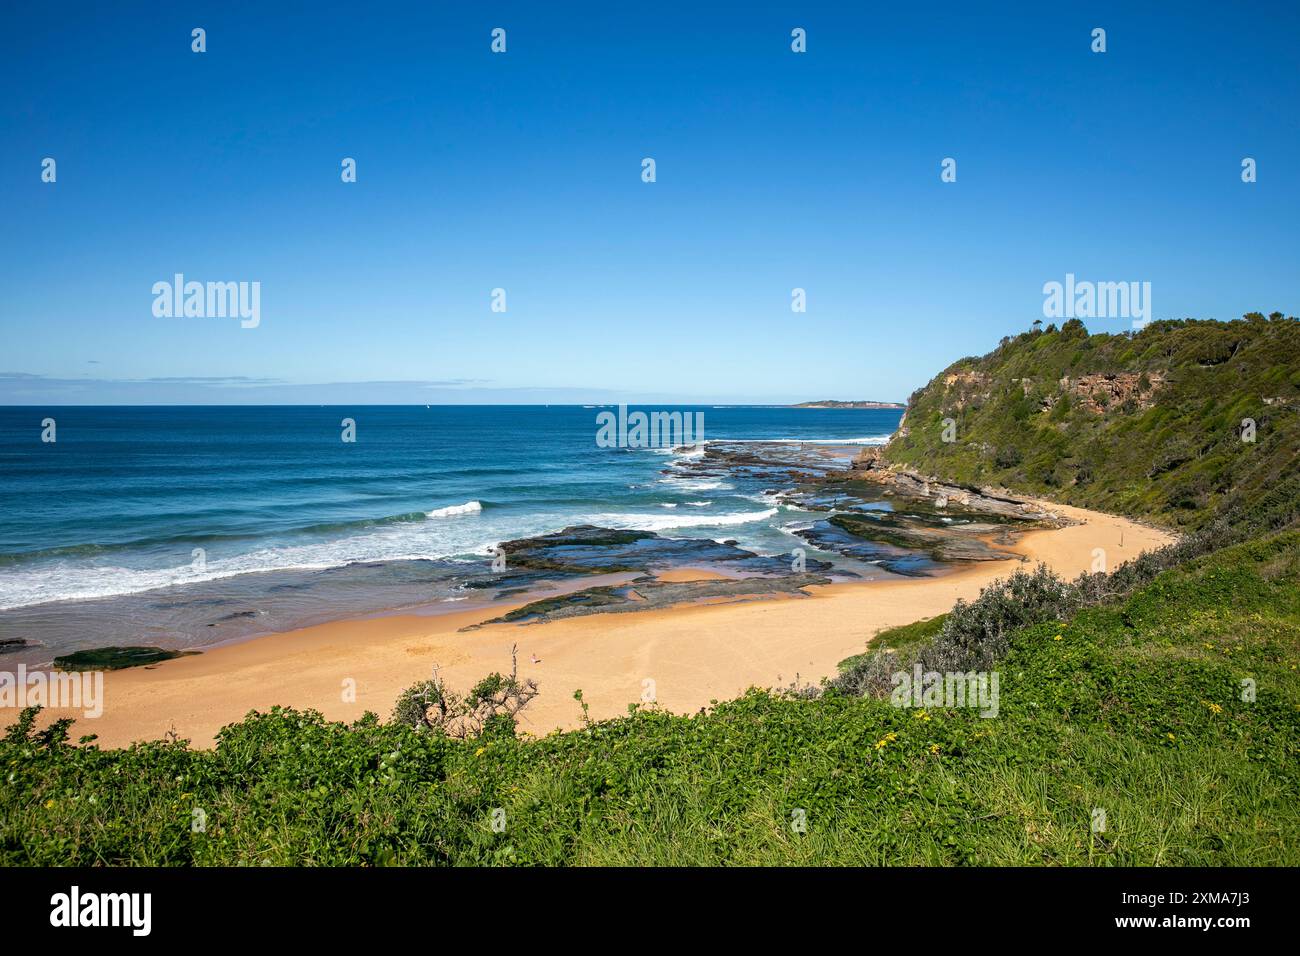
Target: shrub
(975, 635)
(490, 706)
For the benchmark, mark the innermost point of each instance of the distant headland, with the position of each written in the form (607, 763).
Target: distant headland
(830, 403)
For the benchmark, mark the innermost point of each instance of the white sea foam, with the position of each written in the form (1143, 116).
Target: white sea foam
(59, 583)
(659, 522)
(690, 451)
(431, 540)
(695, 484)
(60, 580)
(468, 508)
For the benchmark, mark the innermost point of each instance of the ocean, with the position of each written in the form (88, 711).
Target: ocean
(190, 526)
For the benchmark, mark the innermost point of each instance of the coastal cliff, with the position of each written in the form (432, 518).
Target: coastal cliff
(1175, 423)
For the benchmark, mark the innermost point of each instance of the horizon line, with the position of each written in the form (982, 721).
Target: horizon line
(885, 405)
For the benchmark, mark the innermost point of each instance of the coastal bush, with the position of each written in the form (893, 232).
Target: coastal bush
(977, 634)
(490, 707)
(974, 635)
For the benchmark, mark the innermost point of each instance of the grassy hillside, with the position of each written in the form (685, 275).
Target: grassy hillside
(1134, 708)
(1146, 424)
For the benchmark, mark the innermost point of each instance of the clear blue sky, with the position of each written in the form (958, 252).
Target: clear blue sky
(522, 171)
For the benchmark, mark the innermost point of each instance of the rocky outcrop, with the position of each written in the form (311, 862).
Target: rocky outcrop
(898, 520)
(864, 511)
(965, 388)
(587, 549)
(1097, 393)
(648, 594)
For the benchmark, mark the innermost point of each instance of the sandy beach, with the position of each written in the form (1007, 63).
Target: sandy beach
(688, 656)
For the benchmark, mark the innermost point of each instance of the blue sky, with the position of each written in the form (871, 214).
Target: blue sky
(522, 171)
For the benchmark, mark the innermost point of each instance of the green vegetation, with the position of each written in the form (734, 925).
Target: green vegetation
(1148, 424)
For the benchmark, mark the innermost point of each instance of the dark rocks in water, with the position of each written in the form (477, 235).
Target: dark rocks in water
(586, 549)
(579, 549)
(779, 463)
(893, 558)
(234, 616)
(939, 527)
(590, 599)
(507, 583)
(650, 594)
(904, 523)
(940, 544)
(115, 658)
(591, 550)
(899, 522)
(12, 644)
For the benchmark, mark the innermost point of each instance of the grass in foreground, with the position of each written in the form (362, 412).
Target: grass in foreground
(1135, 709)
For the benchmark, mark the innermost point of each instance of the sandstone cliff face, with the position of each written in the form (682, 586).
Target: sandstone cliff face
(966, 387)
(1096, 393)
